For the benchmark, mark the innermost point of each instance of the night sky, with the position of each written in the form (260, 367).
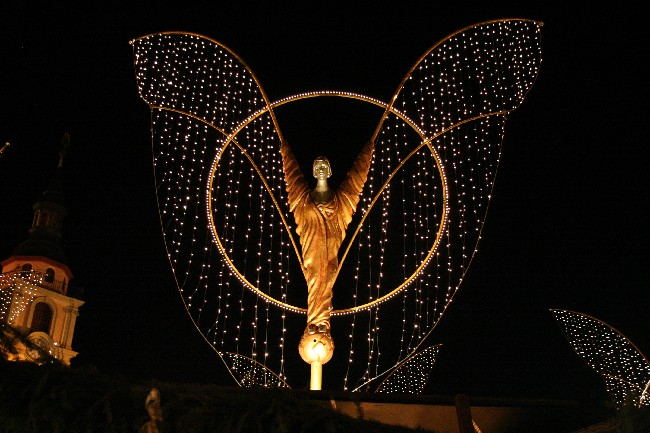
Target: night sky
(567, 225)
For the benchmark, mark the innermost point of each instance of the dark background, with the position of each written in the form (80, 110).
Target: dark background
(567, 226)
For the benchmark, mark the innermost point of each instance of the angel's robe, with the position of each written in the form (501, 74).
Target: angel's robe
(321, 228)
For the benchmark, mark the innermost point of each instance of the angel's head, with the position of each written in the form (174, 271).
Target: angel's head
(322, 168)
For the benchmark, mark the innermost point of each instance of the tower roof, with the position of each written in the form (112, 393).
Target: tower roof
(49, 212)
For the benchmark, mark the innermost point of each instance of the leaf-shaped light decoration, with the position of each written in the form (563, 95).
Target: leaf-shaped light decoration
(251, 373)
(624, 368)
(230, 236)
(410, 377)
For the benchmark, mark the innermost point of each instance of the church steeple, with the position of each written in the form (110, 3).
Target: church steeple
(34, 285)
(49, 212)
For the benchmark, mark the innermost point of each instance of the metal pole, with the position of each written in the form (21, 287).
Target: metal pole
(316, 381)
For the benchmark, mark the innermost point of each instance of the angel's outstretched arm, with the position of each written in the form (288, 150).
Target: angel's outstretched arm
(356, 177)
(296, 183)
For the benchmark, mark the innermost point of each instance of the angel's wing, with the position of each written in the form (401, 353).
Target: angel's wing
(220, 192)
(437, 149)
(624, 369)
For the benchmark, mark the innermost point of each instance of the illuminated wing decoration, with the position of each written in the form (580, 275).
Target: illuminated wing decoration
(625, 370)
(250, 373)
(411, 375)
(230, 237)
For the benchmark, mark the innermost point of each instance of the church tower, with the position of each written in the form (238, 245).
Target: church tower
(36, 298)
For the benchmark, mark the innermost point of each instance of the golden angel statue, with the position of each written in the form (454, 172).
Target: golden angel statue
(322, 215)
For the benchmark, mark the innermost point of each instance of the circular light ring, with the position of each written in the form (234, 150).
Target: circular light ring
(349, 95)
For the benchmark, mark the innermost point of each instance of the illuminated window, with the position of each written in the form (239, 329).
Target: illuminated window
(49, 275)
(26, 268)
(42, 318)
